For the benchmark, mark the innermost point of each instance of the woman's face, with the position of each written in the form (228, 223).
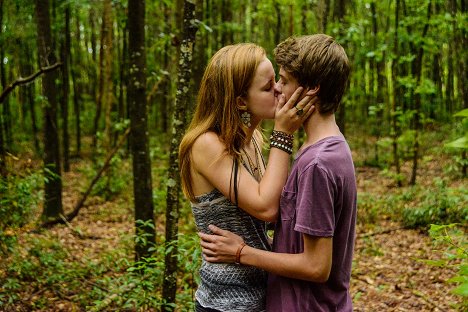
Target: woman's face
(261, 100)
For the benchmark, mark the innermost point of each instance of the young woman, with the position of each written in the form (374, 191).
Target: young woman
(223, 171)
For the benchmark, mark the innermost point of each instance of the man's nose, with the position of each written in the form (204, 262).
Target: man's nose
(277, 88)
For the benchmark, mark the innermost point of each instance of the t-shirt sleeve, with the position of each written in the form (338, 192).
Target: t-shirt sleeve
(314, 204)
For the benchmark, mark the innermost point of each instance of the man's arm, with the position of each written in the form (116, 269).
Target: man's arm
(314, 264)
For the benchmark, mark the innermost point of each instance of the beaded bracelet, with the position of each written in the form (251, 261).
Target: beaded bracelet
(281, 134)
(282, 141)
(282, 147)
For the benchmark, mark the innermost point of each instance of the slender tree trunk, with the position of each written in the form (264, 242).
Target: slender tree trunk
(2, 151)
(93, 77)
(394, 117)
(178, 125)
(462, 70)
(339, 14)
(139, 140)
(417, 122)
(227, 35)
(6, 113)
(66, 91)
(3, 82)
(104, 97)
(277, 8)
(323, 10)
(75, 72)
(26, 69)
(304, 10)
(108, 98)
(53, 182)
(123, 75)
(165, 85)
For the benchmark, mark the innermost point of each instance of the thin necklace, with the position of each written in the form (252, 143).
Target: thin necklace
(254, 169)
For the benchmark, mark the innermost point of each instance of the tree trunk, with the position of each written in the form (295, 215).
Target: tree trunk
(139, 141)
(53, 183)
(165, 85)
(339, 14)
(123, 75)
(277, 8)
(108, 98)
(178, 127)
(75, 72)
(6, 114)
(105, 95)
(417, 102)
(227, 34)
(323, 9)
(3, 83)
(93, 41)
(394, 117)
(65, 91)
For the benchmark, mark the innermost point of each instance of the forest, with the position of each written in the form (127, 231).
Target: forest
(96, 96)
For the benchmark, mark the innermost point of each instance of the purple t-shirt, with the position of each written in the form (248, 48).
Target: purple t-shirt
(319, 199)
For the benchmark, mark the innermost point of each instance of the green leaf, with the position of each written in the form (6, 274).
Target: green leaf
(458, 143)
(462, 113)
(436, 263)
(461, 290)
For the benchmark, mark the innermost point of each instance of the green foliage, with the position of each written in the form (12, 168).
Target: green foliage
(114, 181)
(460, 129)
(453, 242)
(19, 197)
(462, 142)
(440, 206)
(140, 286)
(42, 263)
(369, 207)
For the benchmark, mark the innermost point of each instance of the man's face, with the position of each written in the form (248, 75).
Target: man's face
(287, 84)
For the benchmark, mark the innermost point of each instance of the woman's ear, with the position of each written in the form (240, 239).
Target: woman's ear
(313, 91)
(241, 103)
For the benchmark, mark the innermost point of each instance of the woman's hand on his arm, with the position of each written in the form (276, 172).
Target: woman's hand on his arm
(222, 246)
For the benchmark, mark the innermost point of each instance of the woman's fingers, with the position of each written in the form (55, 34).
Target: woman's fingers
(281, 102)
(293, 99)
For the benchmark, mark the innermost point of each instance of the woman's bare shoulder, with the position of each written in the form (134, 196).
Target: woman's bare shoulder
(208, 145)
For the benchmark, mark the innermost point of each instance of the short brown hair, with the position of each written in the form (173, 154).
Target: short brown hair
(316, 60)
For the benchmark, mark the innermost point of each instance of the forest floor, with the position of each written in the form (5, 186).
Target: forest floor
(388, 271)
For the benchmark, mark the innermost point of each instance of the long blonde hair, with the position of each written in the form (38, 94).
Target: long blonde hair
(227, 77)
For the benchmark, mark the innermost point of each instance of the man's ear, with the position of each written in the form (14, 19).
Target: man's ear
(313, 91)
(241, 103)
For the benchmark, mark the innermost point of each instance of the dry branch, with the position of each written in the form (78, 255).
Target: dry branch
(364, 235)
(69, 217)
(22, 81)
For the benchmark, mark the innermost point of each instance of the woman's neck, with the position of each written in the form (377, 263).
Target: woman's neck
(249, 133)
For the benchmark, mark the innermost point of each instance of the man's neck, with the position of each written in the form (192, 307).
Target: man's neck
(318, 127)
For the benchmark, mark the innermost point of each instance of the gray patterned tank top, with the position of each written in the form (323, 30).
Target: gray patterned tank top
(230, 287)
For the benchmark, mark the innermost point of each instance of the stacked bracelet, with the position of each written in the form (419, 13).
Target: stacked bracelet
(238, 253)
(282, 141)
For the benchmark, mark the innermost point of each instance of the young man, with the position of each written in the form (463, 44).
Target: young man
(310, 266)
